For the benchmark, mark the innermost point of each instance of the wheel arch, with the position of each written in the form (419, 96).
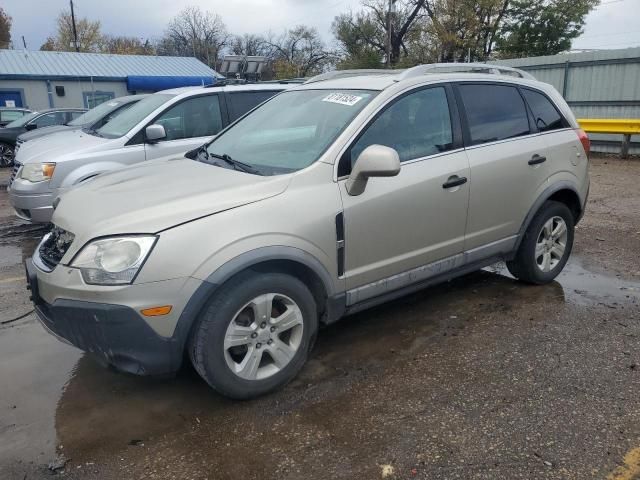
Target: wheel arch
(563, 192)
(290, 260)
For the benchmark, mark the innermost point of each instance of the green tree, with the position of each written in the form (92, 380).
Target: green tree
(541, 27)
(5, 29)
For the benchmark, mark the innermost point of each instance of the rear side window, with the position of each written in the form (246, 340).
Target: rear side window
(9, 116)
(241, 102)
(494, 112)
(545, 114)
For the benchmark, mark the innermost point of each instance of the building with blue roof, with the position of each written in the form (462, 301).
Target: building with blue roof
(42, 79)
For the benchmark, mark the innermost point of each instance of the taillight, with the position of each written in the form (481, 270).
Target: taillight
(584, 140)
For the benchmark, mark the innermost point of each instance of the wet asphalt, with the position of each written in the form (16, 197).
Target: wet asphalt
(479, 378)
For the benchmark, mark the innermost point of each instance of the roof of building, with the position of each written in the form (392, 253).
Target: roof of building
(44, 64)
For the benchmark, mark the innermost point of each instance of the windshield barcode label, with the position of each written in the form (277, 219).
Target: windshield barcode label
(342, 98)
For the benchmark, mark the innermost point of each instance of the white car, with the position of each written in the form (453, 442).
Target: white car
(167, 123)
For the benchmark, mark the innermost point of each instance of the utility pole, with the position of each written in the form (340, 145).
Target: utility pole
(389, 27)
(73, 24)
(24, 42)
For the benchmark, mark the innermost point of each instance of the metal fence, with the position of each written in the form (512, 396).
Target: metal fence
(598, 84)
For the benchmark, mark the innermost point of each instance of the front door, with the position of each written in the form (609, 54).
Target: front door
(401, 223)
(188, 124)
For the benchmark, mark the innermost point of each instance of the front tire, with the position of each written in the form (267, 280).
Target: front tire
(255, 334)
(7, 155)
(546, 246)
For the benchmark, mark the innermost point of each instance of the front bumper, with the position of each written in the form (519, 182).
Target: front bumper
(114, 334)
(34, 207)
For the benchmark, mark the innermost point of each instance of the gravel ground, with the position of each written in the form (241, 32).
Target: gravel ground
(479, 378)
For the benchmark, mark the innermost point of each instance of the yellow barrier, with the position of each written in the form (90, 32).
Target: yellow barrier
(624, 126)
(620, 126)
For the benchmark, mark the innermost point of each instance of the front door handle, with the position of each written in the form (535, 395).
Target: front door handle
(536, 159)
(454, 181)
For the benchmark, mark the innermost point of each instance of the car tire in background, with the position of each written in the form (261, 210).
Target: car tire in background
(546, 245)
(7, 154)
(255, 334)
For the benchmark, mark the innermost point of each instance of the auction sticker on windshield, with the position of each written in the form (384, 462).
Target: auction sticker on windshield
(342, 98)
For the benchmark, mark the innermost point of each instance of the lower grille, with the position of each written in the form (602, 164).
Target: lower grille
(55, 246)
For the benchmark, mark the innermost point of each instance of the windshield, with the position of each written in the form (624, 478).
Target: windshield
(96, 114)
(21, 122)
(290, 131)
(123, 123)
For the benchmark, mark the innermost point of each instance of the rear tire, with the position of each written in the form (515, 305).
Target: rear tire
(546, 245)
(255, 334)
(7, 154)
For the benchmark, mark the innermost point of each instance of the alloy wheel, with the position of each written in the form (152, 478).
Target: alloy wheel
(551, 244)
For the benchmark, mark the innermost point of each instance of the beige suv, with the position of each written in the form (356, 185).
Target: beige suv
(339, 194)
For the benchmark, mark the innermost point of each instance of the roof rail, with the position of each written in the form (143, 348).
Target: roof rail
(464, 67)
(352, 73)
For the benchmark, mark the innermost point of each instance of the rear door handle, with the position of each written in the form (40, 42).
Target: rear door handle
(536, 159)
(454, 181)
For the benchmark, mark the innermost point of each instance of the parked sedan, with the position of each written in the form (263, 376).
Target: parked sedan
(92, 120)
(9, 114)
(45, 118)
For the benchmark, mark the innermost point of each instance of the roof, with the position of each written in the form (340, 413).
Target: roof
(25, 63)
(573, 57)
(247, 87)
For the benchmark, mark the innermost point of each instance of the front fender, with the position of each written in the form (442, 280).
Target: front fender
(84, 172)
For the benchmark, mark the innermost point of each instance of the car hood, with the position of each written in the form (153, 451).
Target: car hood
(41, 132)
(10, 134)
(156, 195)
(61, 146)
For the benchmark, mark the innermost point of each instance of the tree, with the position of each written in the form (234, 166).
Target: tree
(249, 45)
(298, 52)
(5, 29)
(127, 46)
(542, 27)
(360, 41)
(195, 33)
(89, 33)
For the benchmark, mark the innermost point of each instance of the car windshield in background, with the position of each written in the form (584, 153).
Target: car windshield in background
(21, 122)
(95, 114)
(123, 123)
(290, 131)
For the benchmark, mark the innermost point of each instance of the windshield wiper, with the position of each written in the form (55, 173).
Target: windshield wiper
(237, 164)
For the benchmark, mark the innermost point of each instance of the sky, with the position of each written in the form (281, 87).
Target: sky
(613, 24)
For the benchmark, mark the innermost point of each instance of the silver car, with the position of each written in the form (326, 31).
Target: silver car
(329, 198)
(167, 123)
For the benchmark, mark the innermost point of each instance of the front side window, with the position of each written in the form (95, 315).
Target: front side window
(196, 117)
(291, 130)
(546, 116)
(123, 123)
(494, 112)
(48, 119)
(21, 122)
(417, 125)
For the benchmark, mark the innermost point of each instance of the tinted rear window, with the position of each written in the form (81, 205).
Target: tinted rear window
(545, 114)
(241, 102)
(494, 112)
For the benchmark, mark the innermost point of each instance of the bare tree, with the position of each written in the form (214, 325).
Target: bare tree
(249, 45)
(196, 33)
(5, 29)
(298, 52)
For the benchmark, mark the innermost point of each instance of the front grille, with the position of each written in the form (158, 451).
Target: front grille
(55, 246)
(14, 173)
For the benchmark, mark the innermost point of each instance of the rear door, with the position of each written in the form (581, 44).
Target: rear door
(507, 159)
(240, 102)
(189, 123)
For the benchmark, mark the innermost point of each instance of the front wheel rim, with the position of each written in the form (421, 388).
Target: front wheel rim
(6, 155)
(551, 244)
(263, 336)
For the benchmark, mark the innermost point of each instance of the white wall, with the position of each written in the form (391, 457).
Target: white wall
(36, 97)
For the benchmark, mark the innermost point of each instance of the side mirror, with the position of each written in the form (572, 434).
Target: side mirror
(374, 161)
(31, 126)
(155, 132)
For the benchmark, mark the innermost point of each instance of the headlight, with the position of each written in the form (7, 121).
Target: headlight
(113, 261)
(37, 172)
